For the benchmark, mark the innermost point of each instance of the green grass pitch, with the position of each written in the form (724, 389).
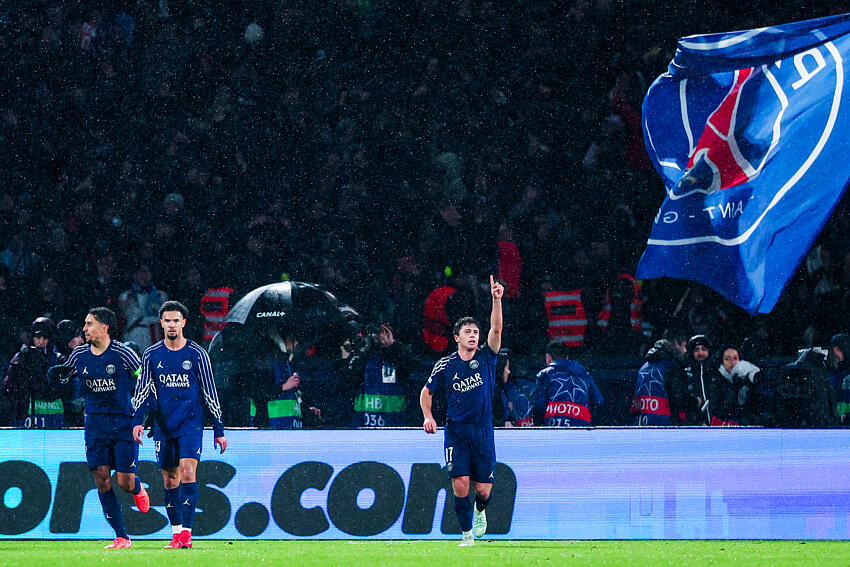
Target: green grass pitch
(212, 553)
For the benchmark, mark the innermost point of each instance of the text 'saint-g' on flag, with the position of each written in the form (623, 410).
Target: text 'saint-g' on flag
(750, 132)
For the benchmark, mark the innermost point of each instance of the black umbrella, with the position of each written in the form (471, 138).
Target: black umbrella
(254, 325)
(272, 302)
(302, 310)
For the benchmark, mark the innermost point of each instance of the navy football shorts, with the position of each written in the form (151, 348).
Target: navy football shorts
(119, 454)
(470, 451)
(170, 451)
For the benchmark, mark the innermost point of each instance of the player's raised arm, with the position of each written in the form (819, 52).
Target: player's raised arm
(494, 337)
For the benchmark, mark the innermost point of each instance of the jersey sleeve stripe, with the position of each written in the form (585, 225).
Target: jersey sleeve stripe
(72, 358)
(128, 355)
(207, 382)
(441, 364)
(145, 384)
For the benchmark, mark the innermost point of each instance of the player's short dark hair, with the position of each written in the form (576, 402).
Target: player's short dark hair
(172, 305)
(558, 350)
(106, 316)
(464, 321)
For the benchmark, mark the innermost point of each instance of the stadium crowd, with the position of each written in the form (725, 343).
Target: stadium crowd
(382, 150)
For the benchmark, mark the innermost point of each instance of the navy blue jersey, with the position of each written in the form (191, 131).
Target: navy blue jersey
(108, 380)
(566, 393)
(469, 386)
(174, 384)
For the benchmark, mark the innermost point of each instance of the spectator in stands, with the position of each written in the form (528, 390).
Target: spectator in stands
(735, 397)
(49, 300)
(701, 374)
(620, 322)
(103, 287)
(139, 309)
(20, 256)
(8, 315)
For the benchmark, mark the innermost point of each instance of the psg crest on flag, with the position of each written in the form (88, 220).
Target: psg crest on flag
(748, 132)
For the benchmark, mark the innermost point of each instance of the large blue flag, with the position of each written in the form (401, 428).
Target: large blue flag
(749, 131)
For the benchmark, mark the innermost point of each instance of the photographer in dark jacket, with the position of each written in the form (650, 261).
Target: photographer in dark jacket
(804, 396)
(373, 384)
(278, 396)
(661, 393)
(35, 402)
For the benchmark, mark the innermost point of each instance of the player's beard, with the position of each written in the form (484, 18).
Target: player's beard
(172, 335)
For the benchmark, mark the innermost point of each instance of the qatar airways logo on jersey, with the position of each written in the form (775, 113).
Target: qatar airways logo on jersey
(101, 384)
(174, 380)
(467, 384)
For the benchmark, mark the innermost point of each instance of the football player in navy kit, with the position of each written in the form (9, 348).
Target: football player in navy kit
(108, 371)
(469, 378)
(176, 384)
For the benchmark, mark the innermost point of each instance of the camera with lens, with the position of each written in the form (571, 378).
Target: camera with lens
(360, 340)
(30, 358)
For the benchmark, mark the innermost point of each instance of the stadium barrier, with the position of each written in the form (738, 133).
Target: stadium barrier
(717, 483)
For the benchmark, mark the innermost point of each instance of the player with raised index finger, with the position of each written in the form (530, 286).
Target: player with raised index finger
(469, 378)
